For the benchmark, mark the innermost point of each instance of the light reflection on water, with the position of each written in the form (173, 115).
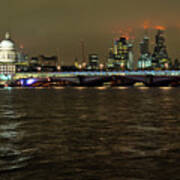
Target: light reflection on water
(166, 88)
(90, 133)
(11, 154)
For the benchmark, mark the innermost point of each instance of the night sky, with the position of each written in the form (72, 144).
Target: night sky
(43, 26)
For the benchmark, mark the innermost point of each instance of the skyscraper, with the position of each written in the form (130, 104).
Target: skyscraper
(160, 57)
(145, 60)
(121, 55)
(144, 45)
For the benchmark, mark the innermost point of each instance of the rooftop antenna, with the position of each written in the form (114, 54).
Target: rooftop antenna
(9, 17)
(83, 52)
(58, 56)
(61, 57)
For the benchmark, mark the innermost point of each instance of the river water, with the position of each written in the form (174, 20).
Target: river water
(91, 133)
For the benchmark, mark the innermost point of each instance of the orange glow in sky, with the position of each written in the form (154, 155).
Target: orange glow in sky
(126, 32)
(126, 36)
(146, 24)
(160, 28)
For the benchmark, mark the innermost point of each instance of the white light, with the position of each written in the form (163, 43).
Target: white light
(58, 68)
(84, 65)
(80, 66)
(39, 68)
(30, 81)
(101, 66)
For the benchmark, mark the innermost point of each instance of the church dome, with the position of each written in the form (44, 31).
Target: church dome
(7, 43)
(7, 50)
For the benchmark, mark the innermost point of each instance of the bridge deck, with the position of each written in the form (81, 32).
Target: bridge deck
(113, 73)
(75, 74)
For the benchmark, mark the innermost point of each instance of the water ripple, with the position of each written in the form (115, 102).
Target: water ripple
(91, 133)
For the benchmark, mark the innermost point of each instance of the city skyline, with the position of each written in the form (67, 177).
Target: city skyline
(43, 27)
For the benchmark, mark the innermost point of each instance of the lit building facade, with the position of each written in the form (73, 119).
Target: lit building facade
(160, 57)
(121, 55)
(8, 55)
(93, 62)
(145, 60)
(11, 58)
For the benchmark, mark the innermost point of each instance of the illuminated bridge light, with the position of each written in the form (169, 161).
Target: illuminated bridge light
(30, 81)
(19, 76)
(21, 82)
